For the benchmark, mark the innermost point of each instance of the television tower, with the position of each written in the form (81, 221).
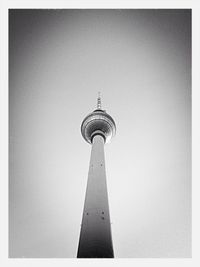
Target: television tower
(95, 237)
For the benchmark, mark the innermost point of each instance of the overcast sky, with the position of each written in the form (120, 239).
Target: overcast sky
(140, 60)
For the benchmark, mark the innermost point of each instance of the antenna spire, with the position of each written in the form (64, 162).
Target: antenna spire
(99, 101)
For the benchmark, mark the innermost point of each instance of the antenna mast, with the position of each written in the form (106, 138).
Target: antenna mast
(99, 101)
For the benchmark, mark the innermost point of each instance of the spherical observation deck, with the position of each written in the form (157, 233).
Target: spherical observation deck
(98, 123)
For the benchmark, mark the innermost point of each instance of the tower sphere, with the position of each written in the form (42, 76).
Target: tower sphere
(98, 123)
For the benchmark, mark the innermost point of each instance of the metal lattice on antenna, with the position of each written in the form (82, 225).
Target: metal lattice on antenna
(99, 101)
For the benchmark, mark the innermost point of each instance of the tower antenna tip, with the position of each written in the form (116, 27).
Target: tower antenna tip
(99, 101)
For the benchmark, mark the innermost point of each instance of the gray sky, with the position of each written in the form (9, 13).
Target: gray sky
(140, 60)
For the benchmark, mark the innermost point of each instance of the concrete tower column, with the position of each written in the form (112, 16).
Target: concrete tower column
(95, 238)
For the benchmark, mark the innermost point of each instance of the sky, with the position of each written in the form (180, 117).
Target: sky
(140, 60)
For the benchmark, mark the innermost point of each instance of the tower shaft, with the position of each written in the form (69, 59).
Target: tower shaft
(95, 237)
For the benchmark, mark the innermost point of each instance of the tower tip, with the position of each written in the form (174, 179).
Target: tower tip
(99, 101)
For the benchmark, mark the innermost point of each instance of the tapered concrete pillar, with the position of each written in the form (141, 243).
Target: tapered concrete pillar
(95, 237)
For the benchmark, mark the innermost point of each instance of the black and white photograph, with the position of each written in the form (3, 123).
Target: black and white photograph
(99, 133)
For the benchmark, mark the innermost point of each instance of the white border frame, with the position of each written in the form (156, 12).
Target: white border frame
(170, 4)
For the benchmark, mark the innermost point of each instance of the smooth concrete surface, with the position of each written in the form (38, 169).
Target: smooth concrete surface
(95, 237)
